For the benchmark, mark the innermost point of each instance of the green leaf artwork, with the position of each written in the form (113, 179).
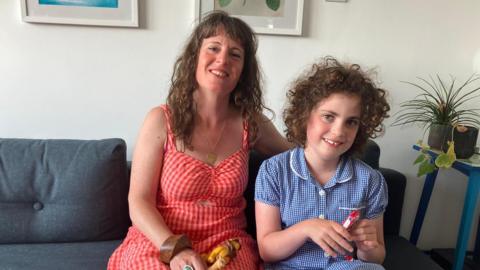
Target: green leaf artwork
(224, 3)
(273, 4)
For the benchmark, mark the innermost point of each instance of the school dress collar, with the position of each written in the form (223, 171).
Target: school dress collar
(298, 165)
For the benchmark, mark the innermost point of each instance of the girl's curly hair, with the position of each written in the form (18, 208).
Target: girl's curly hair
(247, 95)
(326, 77)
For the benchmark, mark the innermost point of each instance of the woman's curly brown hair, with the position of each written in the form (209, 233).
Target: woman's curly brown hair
(247, 95)
(326, 77)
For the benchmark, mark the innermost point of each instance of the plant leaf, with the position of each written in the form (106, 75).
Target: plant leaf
(425, 168)
(419, 159)
(440, 102)
(273, 4)
(451, 150)
(445, 160)
(224, 3)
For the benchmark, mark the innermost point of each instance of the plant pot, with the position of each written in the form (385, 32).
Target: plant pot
(464, 142)
(439, 135)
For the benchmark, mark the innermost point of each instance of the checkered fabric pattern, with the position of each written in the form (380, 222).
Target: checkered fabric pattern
(285, 181)
(205, 202)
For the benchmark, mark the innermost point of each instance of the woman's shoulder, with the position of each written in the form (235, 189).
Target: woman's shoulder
(158, 111)
(156, 118)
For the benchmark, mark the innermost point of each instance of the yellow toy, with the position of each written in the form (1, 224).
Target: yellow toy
(222, 254)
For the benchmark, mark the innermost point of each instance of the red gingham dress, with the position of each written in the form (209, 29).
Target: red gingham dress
(205, 202)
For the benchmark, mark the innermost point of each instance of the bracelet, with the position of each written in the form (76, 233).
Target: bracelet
(172, 246)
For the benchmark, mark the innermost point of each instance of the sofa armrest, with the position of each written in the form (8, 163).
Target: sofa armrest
(396, 183)
(254, 162)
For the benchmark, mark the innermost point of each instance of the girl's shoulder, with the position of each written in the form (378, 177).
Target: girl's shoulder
(283, 157)
(284, 163)
(361, 167)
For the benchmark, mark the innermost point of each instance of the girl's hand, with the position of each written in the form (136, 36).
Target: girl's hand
(329, 235)
(190, 257)
(364, 233)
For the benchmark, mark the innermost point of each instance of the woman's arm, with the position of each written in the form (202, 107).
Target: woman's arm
(276, 244)
(145, 175)
(368, 236)
(269, 141)
(146, 169)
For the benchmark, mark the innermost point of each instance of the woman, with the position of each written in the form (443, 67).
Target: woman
(189, 167)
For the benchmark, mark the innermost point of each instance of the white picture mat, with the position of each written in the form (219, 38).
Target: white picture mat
(125, 15)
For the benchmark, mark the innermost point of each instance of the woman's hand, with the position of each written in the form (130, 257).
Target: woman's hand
(190, 257)
(329, 235)
(365, 235)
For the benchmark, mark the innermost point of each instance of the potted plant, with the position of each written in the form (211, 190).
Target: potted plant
(442, 109)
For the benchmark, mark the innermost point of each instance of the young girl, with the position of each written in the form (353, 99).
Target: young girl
(304, 195)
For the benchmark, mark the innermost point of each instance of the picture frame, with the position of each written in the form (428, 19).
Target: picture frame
(287, 22)
(114, 13)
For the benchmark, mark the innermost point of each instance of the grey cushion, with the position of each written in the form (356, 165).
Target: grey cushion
(62, 190)
(61, 256)
(402, 255)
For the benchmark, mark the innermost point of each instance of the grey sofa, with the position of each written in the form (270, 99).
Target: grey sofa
(63, 205)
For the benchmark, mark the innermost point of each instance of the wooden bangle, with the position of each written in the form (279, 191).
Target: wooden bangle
(172, 246)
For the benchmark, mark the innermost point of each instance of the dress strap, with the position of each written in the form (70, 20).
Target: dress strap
(170, 137)
(245, 143)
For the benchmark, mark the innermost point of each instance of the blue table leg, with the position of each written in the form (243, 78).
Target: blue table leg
(422, 206)
(476, 251)
(469, 205)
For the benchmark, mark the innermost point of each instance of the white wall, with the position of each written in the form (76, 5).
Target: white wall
(59, 81)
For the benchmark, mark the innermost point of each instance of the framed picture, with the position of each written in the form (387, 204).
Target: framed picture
(275, 17)
(121, 13)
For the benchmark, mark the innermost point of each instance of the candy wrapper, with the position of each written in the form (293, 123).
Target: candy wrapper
(222, 254)
(353, 217)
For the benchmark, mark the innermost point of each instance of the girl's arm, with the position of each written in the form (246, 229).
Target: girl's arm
(368, 236)
(269, 141)
(276, 244)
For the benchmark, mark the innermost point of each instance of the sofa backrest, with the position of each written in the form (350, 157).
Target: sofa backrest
(63, 190)
(396, 183)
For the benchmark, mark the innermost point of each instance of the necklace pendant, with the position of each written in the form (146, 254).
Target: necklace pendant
(211, 158)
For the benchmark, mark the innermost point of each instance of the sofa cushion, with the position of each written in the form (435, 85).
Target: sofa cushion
(402, 255)
(52, 256)
(370, 154)
(62, 190)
